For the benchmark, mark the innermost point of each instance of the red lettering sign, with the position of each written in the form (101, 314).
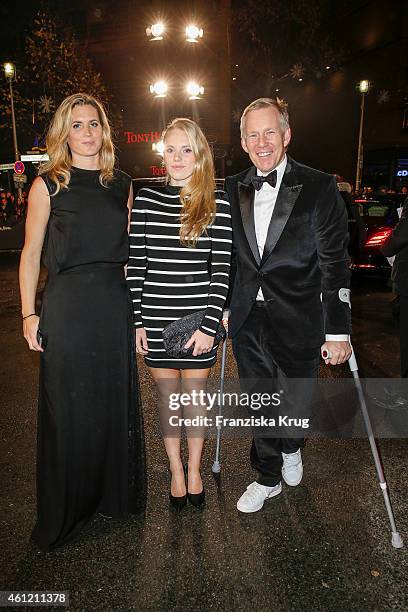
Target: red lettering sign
(138, 137)
(158, 170)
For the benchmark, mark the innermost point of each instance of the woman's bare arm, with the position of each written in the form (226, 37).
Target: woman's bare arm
(38, 213)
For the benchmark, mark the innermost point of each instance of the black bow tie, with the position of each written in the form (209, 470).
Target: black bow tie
(258, 181)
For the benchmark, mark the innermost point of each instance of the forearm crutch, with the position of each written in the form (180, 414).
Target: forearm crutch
(216, 466)
(396, 539)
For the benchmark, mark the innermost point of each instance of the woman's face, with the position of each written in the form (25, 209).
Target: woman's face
(85, 134)
(179, 157)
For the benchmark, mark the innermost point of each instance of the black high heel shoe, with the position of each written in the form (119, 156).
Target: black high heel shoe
(178, 503)
(196, 499)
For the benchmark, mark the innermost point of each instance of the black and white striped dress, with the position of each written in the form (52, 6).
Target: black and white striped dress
(168, 280)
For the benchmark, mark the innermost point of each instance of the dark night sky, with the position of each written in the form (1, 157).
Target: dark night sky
(324, 110)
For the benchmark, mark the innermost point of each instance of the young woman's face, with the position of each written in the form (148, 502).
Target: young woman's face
(179, 157)
(85, 134)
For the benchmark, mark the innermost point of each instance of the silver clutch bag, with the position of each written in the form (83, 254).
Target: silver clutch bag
(177, 334)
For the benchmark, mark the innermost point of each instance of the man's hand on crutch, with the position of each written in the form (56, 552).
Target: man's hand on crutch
(335, 352)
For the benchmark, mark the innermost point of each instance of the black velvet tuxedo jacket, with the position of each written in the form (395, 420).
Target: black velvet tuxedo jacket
(304, 268)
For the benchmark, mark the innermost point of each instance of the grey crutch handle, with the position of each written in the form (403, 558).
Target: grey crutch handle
(225, 316)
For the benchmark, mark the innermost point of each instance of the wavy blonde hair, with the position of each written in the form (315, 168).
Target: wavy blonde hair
(197, 197)
(58, 167)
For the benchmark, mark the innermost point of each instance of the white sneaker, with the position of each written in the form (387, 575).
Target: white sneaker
(254, 497)
(292, 468)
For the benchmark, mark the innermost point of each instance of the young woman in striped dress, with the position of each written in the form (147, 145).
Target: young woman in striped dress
(180, 249)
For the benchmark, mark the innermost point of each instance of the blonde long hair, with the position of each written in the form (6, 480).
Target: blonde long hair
(58, 167)
(197, 197)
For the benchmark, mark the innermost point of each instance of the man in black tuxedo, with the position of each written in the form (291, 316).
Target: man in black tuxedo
(290, 294)
(397, 244)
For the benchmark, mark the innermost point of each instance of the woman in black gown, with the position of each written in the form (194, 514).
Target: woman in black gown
(90, 454)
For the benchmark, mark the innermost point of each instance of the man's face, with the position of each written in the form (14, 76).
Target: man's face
(264, 140)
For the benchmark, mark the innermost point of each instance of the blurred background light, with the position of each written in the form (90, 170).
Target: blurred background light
(193, 33)
(159, 89)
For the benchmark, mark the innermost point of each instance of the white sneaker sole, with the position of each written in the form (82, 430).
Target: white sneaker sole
(257, 508)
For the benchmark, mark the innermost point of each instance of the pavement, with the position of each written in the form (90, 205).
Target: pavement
(322, 546)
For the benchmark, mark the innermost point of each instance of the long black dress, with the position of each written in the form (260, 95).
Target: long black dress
(90, 455)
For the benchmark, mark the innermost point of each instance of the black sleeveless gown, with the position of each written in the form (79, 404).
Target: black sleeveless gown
(90, 455)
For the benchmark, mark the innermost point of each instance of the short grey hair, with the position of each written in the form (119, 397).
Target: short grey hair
(280, 105)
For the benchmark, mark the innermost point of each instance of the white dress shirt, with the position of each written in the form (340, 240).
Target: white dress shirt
(264, 204)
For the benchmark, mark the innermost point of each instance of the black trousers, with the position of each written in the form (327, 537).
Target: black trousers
(255, 352)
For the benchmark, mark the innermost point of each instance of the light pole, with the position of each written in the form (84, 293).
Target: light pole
(363, 87)
(10, 74)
